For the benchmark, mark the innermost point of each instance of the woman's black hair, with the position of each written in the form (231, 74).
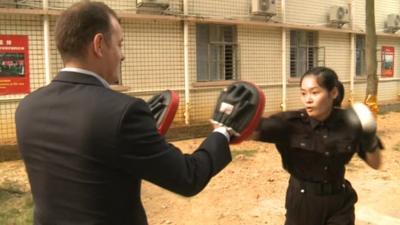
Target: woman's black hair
(327, 79)
(338, 100)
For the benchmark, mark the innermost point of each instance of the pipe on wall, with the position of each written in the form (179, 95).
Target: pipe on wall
(46, 38)
(352, 52)
(186, 63)
(284, 64)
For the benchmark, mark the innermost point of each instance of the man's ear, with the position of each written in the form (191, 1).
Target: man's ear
(98, 44)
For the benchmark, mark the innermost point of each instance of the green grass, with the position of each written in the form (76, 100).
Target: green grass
(246, 153)
(16, 207)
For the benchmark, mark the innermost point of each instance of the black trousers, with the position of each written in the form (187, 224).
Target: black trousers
(305, 206)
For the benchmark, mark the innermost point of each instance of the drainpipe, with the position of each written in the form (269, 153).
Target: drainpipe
(352, 52)
(46, 38)
(186, 62)
(284, 53)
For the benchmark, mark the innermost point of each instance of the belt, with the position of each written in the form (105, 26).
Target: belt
(318, 188)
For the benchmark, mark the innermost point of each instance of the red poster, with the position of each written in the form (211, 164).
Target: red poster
(14, 64)
(387, 61)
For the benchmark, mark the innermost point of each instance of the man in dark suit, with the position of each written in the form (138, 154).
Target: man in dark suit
(86, 147)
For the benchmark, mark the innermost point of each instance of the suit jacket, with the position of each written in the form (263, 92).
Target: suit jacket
(86, 149)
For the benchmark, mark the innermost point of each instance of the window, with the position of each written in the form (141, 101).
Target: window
(303, 52)
(216, 52)
(360, 55)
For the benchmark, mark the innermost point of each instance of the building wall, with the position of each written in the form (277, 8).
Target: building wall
(261, 62)
(154, 51)
(359, 91)
(260, 54)
(7, 125)
(316, 12)
(153, 59)
(387, 89)
(293, 96)
(337, 52)
(230, 9)
(153, 55)
(55, 58)
(21, 25)
(359, 15)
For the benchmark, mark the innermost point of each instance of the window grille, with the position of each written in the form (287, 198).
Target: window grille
(360, 55)
(304, 54)
(216, 52)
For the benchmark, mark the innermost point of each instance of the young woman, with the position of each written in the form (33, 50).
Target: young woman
(315, 144)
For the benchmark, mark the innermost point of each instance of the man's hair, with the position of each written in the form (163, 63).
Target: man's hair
(77, 26)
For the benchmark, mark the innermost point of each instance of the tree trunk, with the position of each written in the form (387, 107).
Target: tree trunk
(370, 57)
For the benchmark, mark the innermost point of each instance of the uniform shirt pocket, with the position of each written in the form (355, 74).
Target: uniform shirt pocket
(302, 142)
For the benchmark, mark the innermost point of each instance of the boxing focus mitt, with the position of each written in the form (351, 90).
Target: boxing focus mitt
(163, 106)
(239, 108)
(360, 117)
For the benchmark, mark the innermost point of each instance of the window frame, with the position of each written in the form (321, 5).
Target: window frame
(211, 54)
(362, 65)
(296, 49)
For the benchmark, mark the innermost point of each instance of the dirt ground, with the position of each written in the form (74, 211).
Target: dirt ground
(251, 190)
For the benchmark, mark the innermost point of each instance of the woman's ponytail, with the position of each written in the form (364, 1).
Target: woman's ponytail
(338, 100)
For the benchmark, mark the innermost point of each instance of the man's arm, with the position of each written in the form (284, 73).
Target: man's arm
(145, 154)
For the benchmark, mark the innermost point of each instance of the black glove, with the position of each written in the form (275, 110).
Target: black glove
(360, 117)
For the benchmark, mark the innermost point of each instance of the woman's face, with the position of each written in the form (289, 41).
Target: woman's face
(316, 99)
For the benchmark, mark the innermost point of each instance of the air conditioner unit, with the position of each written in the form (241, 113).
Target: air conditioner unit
(392, 23)
(339, 15)
(263, 7)
(14, 4)
(152, 3)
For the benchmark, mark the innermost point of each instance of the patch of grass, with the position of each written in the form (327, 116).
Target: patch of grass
(246, 153)
(16, 209)
(10, 187)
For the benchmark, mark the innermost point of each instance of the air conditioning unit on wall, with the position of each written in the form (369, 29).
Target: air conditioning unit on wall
(152, 3)
(263, 7)
(339, 15)
(392, 23)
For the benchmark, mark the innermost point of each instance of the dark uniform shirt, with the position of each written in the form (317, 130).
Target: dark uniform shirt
(311, 150)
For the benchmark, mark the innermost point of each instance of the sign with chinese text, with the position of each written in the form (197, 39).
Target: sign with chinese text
(387, 61)
(14, 64)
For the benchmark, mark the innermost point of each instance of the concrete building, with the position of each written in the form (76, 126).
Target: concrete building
(197, 47)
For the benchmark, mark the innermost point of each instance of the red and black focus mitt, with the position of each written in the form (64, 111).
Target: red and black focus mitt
(239, 109)
(163, 106)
